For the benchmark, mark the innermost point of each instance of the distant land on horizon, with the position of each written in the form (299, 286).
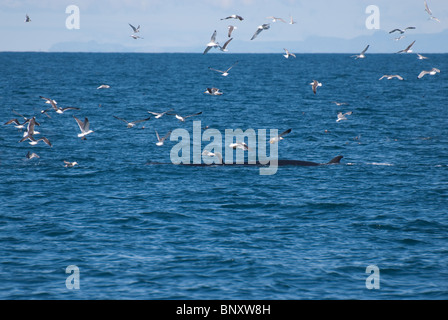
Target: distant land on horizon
(380, 42)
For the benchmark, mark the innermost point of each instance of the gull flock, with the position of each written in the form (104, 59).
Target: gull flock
(29, 124)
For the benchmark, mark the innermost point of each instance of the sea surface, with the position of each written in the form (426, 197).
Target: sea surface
(136, 229)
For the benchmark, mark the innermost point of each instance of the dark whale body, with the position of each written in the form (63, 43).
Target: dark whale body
(335, 160)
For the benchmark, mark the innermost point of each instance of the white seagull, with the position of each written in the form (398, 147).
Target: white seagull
(231, 28)
(362, 54)
(431, 72)
(18, 125)
(233, 16)
(340, 103)
(288, 54)
(291, 21)
(226, 72)
(408, 49)
(239, 145)
(131, 124)
(264, 26)
(159, 114)
(315, 84)
(400, 30)
(161, 140)
(104, 86)
(136, 30)
(84, 127)
(55, 107)
(31, 155)
(224, 47)
(182, 119)
(213, 154)
(420, 57)
(135, 37)
(212, 43)
(391, 76)
(30, 134)
(341, 116)
(213, 91)
(274, 19)
(280, 136)
(69, 164)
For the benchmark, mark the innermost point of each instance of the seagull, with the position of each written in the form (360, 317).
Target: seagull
(131, 124)
(361, 55)
(341, 116)
(399, 38)
(427, 9)
(274, 19)
(30, 134)
(288, 54)
(280, 136)
(233, 16)
(239, 145)
(408, 49)
(18, 125)
(391, 76)
(32, 155)
(161, 140)
(315, 84)
(291, 21)
(212, 43)
(84, 127)
(182, 119)
(30, 128)
(213, 154)
(55, 107)
(213, 91)
(401, 31)
(135, 37)
(431, 72)
(434, 18)
(27, 18)
(420, 57)
(224, 73)
(136, 30)
(104, 86)
(69, 164)
(159, 115)
(340, 103)
(224, 47)
(264, 26)
(231, 28)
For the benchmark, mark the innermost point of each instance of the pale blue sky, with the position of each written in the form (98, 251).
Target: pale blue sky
(172, 26)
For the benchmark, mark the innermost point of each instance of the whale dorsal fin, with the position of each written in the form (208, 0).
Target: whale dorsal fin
(335, 160)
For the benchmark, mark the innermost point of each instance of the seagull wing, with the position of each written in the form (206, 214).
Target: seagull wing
(142, 120)
(285, 133)
(191, 115)
(226, 43)
(207, 50)
(120, 119)
(166, 136)
(133, 28)
(427, 9)
(256, 33)
(395, 31)
(213, 38)
(409, 47)
(80, 123)
(364, 51)
(231, 66)
(422, 74)
(216, 70)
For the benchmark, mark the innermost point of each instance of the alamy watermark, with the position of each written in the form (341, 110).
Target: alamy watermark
(72, 281)
(189, 149)
(373, 280)
(73, 20)
(373, 20)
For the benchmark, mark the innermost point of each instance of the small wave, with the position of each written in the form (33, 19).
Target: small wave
(380, 164)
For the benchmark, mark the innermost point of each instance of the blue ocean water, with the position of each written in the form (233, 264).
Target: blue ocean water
(140, 231)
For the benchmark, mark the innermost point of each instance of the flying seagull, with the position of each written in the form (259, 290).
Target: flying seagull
(280, 136)
(161, 140)
(213, 91)
(401, 31)
(18, 125)
(233, 16)
(362, 54)
(274, 19)
(131, 124)
(264, 26)
(183, 118)
(226, 72)
(27, 18)
(55, 107)
(427, 9)
(431, 72)
(420, 57)
(434, 18)
(224, 47)
(231, 28)
(408, 49)
(104, 86)
(84, 127)
(135, 37)
(69, 164)
(31, 155)
(212, 43)
(30, 134)
(159, 115)
(291, 21)
(288, 54)
(340, 103)
(213, 154)
(399, 38)
(315, 84)
(136, 30)
(239, 145)
(341, 116)
(391, 76)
